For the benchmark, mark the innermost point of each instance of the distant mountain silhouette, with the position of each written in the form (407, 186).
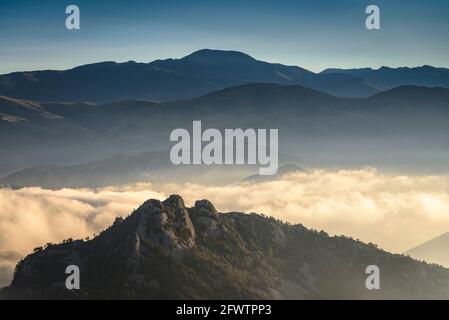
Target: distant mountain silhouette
(197, 74)
(433, 251)
(101, 82)
(200, 73)
(27, 131)
(121, 169)
(231, 68)
(389, 124)
(386, 78)
(165, 250)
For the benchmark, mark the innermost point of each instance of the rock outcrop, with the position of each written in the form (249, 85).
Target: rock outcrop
(166, 224)
(166, 250)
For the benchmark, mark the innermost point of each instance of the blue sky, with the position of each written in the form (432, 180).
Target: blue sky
(312, 34)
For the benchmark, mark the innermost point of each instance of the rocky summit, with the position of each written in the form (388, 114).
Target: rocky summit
(167, 250)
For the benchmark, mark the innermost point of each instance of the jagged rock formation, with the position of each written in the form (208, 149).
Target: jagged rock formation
(166, 250)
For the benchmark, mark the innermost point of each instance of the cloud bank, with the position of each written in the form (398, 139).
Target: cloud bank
(395, 211)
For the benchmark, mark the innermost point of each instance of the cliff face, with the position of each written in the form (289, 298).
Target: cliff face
(166, 250)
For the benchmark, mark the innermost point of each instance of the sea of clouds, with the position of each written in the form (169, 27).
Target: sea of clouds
(395, 211)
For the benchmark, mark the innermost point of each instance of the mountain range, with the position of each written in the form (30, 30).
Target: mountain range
(404, 126)
(153, 166)
(165, 250)
(46, 123)
(387, 78)
(200, 73)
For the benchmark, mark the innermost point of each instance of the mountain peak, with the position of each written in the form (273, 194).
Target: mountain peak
(433, 251)
(166, 223)
(219, 56)
(154, 254)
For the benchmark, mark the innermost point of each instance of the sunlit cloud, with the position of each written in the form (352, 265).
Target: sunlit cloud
(395, 211)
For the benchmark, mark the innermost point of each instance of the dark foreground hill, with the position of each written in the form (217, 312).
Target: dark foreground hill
(165, 250)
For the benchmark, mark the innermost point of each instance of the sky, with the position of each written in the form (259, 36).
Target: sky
(312, 34)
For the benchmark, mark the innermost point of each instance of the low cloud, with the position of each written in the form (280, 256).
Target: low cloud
(6, 271)
(8, 262)
(395, 211)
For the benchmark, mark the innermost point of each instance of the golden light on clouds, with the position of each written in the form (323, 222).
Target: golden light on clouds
(395, 211)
